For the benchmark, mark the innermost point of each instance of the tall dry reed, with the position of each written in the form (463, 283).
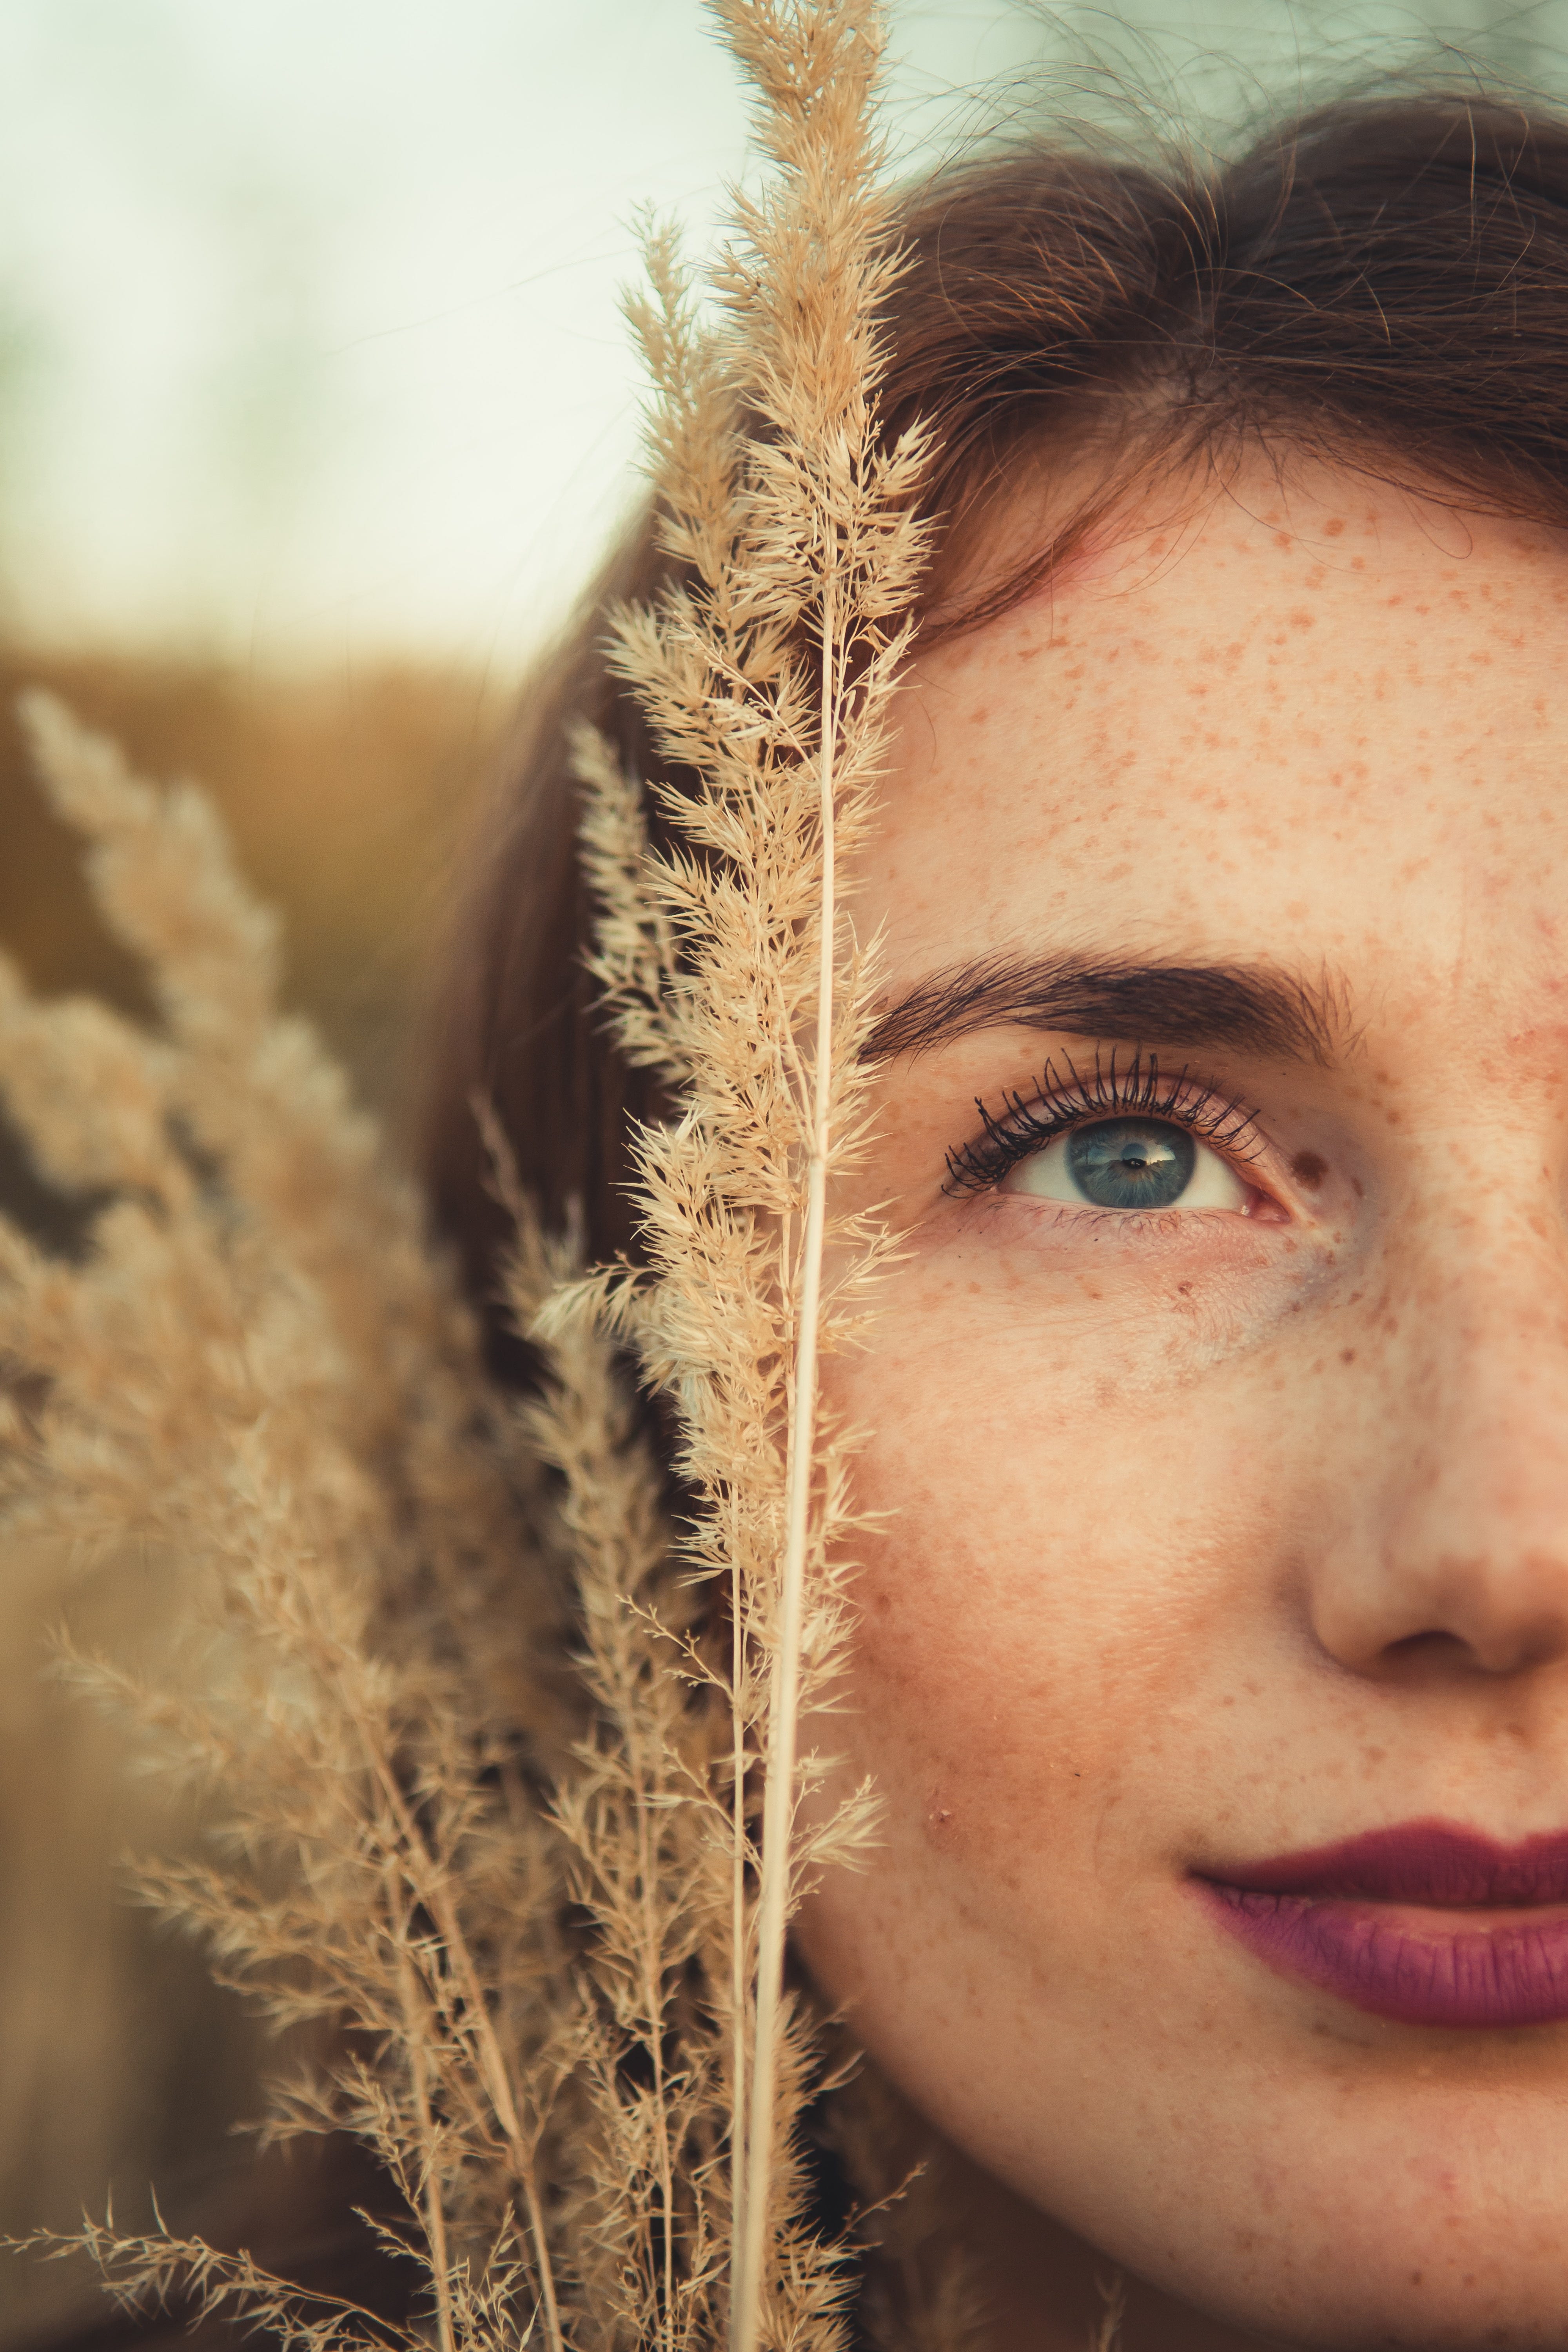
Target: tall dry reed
(765, 669)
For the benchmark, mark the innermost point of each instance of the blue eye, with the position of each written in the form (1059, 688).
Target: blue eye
(1130, 1164)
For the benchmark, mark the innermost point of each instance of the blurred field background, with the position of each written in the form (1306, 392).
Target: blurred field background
(120, 2067)
(315, 412)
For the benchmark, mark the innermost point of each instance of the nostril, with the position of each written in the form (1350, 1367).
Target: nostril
(1433, 1649)
(1435, 1643)
(1412, 1600)
(1519, 1648)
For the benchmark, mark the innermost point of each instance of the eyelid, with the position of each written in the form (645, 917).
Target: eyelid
(1028, 1122)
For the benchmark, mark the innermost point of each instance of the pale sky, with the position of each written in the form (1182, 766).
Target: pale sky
(309, 341)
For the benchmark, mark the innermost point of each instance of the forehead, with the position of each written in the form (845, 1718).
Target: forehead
(1303, 723)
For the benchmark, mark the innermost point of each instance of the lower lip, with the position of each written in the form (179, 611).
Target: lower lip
(1404, 1961)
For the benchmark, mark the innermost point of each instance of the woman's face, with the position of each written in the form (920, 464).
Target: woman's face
(1213, 1667)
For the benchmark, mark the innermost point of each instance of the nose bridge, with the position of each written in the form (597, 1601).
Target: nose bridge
(1457, 1530)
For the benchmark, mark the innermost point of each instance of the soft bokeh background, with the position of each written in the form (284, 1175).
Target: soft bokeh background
(315, 412)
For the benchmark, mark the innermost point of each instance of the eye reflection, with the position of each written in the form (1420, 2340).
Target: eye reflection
(1130, 1164)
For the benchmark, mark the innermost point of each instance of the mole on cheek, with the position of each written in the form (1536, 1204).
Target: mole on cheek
(1309, 1169)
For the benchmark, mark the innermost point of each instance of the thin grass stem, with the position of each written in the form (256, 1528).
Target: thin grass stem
(653, 2004)
(737, 1924)
(778, 1804)
(493, 2072)
(434, 2210)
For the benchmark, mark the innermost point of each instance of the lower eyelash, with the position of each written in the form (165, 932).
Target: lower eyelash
(1027, 1123)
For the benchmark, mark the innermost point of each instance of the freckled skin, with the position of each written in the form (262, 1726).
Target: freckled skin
(1217, 1536)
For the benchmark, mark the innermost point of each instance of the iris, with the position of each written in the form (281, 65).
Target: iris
(1132, 1164)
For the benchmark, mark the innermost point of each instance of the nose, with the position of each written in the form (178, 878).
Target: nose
(1454, 1547)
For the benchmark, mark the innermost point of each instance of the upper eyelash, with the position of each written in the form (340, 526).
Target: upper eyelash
(1028, 1122)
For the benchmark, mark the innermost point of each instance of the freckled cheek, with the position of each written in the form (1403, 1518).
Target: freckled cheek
(981, 1701)
(1053, 1610)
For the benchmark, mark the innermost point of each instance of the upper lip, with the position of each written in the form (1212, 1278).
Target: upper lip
(1430, 1863)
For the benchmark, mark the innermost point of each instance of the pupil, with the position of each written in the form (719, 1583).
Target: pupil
(1132, 1164)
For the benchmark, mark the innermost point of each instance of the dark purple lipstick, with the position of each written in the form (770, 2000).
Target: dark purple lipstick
(1428, 1922)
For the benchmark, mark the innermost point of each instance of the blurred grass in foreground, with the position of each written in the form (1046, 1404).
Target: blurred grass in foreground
(120, 2065)
(345, 795)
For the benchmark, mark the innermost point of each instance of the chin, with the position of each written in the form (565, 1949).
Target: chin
(1370, 2240)
(1460, 2297)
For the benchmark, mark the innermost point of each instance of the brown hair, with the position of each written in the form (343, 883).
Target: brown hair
(1385, 284)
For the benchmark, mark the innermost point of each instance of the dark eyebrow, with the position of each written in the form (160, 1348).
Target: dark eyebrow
(1242, 1008)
